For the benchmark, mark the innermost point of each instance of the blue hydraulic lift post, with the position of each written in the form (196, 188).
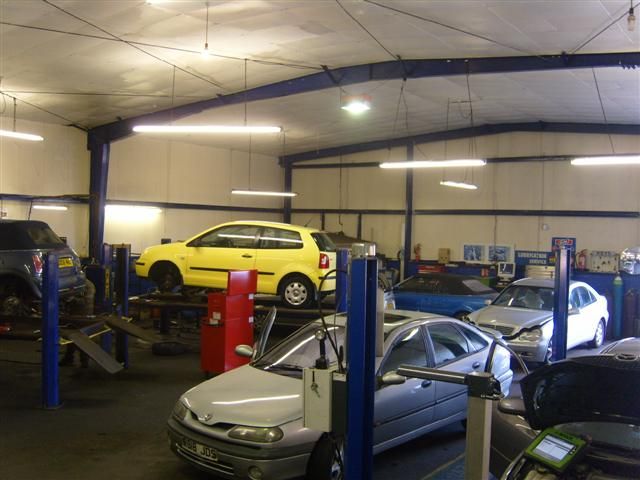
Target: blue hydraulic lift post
(50, 333)
(361, 356)
(561, 304)
(98, 197)
(342, 261)
(122, 300)
(408, 216)
(288, 179)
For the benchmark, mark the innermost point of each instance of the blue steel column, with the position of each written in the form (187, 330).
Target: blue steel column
(122, 301)
(361, 328)
(561, 304)
(288, 183)
(408, 216)
(97, 197)
(50, 333)
(342, 257)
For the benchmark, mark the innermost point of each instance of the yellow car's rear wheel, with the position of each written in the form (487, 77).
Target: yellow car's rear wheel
(297, 291)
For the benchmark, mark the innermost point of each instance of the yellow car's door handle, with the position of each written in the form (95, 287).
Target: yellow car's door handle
(246, 255)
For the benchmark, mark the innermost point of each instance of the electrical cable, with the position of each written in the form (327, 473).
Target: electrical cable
(457, 29)
(165, 47)
(395, 57)
(332, 341)
(70, 122)
(595, 79)
(612, 23)
(216, 84)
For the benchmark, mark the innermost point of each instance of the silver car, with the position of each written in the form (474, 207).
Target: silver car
(523, 316)
(247, 423)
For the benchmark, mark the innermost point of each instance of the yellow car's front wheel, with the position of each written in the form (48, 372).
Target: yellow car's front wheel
(165, 275)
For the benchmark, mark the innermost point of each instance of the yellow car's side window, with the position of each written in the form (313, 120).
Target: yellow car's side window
(234, 236)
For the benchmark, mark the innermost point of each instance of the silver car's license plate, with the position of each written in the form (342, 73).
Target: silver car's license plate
(201, 450)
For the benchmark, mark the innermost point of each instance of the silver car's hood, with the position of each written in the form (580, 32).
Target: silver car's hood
(516, 317)
(247, 396)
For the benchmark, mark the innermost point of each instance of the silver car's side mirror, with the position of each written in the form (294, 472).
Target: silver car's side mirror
(392, 378)
(574, 311)
(487, 302)
(244, 351)
(512, 406)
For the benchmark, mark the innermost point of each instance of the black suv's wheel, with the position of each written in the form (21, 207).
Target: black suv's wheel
(166, 276)
(15, 299)
(297, 291)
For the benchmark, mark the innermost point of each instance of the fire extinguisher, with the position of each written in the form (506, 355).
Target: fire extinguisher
(581, 260)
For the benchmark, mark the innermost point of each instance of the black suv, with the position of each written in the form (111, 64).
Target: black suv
(22, 246)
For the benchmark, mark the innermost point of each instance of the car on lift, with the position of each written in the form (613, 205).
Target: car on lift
(512, 433)
(23, 244)
(292, 261)
(443, 293)
(247, 422)
(523, 316)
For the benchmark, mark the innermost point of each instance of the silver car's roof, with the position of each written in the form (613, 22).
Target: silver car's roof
(393, 319)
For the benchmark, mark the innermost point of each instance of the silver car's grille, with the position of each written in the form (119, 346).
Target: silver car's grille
(208, 463)
(503, 329)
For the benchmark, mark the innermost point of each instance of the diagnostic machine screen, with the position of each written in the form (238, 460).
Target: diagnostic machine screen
(556, 449)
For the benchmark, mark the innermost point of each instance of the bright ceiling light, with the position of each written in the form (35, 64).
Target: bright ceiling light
(435, 164)
(21, 136)
(356, 103)
(50, 207)
(204, 129)
(466, 186)
(263, 193)
(609, 160)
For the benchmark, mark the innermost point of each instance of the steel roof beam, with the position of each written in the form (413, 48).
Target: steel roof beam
(398, 69)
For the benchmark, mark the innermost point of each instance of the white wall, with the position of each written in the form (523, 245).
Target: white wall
(516, 186)
(59, 165)
(151, 170)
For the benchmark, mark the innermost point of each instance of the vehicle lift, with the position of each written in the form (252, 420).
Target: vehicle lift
(79, 329)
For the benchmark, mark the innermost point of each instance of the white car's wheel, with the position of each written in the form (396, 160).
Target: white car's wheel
(598, 337)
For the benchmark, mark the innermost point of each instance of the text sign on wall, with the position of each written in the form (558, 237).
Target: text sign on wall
(563, 242)
(530, 257)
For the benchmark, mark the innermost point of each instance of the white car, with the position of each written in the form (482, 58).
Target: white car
(247, 423)
(523, 315)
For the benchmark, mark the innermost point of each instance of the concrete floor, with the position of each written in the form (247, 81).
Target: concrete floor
(113, 426)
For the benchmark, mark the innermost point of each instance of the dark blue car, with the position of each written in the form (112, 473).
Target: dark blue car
(442, 293)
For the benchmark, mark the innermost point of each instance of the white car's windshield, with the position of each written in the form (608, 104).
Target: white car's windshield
(525, 296)
(299, 351)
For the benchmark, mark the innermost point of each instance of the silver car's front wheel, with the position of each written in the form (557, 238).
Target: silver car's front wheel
(297, 292)
(327, 459)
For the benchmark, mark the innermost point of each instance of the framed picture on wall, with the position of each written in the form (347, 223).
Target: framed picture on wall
(500, 253)
(474, 252)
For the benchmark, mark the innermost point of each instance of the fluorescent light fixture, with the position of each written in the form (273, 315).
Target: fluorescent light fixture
(263, 193)
(131, 213)
(435, 164)
(21, 136)
(50, 207)
(609, 160)
(356, 103)
(466, 186)
(204, 129)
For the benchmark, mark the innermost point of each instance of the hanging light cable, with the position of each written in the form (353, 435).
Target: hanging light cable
(205, 51)
(19, 135)
(631, 18)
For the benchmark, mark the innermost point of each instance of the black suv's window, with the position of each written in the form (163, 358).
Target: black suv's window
(278, 238)
(323, 242)
(231, 236)
(27, 235)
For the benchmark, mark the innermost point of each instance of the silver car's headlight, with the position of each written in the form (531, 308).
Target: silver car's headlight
(531, 335)
(180, 410)
(256, 434)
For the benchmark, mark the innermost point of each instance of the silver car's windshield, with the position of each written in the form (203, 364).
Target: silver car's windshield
(299, 351)
(525, 296)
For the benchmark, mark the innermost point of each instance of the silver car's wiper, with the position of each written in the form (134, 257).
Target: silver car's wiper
(279, 366)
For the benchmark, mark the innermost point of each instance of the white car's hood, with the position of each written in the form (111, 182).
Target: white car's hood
(512, 316)
(247, 396)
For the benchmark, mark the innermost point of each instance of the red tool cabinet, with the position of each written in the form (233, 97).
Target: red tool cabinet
(229, 322)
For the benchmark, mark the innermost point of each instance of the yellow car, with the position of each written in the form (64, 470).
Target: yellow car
(291, 260)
